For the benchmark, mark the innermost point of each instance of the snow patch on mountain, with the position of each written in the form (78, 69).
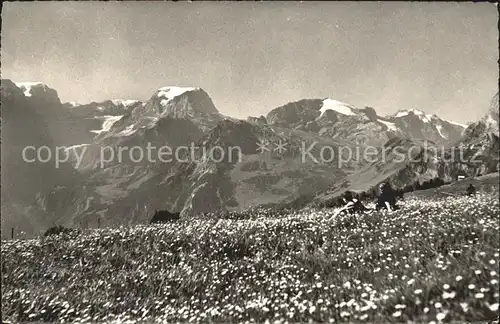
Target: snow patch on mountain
(27, 86)
(439, 129)
(340, 107)
(170, 93)
(426, 118)
(124, 102)
(390, 126)
(127, 131)
(458, 124)
(490, 120)
(73, 147)
(74, 104)
(108, 122)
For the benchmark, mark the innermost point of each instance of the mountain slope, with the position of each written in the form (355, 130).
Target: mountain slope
(338, 120)
(126, 190)
(69, 123)
(407, 161)
(481, 141)
(25, 179)
(420, 125)
(197, 183)
(94, 118)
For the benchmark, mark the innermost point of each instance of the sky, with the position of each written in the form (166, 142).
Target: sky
(251, 57)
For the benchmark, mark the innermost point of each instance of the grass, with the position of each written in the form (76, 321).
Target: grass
(436, 259)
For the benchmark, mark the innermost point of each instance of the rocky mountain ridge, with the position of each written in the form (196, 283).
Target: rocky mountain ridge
(127, 188)
(476, 153)
(335, 119)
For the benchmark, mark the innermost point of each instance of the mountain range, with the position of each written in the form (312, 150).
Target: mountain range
(334, 119)
(261, 161)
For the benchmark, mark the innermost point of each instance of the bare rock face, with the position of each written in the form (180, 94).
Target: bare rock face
(371, 114)
(39, 92)
(258, 120)
(328, 118)
(26, 128)
(312, 126)
(487, 127)
(177, 102)
(345, 122)
(481, 141)
(295, 113)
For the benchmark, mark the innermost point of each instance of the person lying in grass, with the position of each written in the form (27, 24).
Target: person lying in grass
(352, 205)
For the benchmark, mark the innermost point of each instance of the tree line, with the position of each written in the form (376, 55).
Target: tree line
(372, 194)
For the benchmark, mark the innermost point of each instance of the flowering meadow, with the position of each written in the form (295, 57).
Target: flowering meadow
(434, 260)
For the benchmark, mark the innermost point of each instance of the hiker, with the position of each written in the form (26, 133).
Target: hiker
(471, 190)
(352, 205)
(387, 198)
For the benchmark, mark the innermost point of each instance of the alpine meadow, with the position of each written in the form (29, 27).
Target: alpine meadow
(267, 162)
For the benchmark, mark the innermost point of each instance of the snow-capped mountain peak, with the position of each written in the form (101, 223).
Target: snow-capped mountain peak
(421, 114)
(425, 117)
(27, 87)
(167, 94)
(340, 107)
(171, 92)
(166, 103)
(39, 92)
(179, 102)
(339, 120)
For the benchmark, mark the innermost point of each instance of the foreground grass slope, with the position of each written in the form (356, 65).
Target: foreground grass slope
(436, 259)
